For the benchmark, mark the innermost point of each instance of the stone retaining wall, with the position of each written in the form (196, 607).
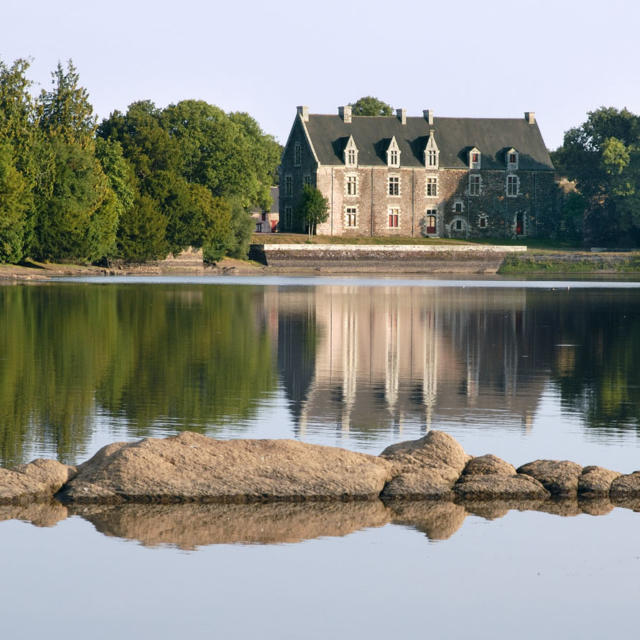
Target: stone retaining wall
(385, 258)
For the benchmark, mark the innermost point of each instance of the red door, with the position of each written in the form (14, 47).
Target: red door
(431, 224)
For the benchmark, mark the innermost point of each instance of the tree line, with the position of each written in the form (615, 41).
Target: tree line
(136, 186)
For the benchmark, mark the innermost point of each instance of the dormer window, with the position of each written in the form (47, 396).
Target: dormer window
(512, 159)
(393, 153)
(431, 153)
(351, 153)
(475, 158)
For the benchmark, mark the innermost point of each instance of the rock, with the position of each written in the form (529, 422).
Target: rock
(488, 465)
(559, 478)
(625, 487)
(39, 480)
(424, 468)
(438, 520)
(596, 482)
(194, 468)
(496, 486)
(192, 525)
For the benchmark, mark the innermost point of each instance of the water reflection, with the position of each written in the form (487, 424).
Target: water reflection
(135, 360)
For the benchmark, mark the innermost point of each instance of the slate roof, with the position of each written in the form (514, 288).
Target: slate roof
(454, 137)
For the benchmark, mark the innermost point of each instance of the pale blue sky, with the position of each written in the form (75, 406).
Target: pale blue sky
(460, 58)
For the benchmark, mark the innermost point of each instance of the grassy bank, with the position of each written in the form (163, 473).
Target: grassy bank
(575, 262)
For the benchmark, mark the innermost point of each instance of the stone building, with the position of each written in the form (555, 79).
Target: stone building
(419, 176)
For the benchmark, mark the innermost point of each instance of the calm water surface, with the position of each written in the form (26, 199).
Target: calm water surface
(522, 370)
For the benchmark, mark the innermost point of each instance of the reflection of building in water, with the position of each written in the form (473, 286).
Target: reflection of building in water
(367, 358)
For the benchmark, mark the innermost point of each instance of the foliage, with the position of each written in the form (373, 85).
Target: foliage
(141, 233)
(13, 205)
(313, 208)
(603, 157)
(242, 226)
(370, 106)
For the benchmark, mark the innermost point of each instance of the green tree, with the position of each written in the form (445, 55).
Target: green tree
(14, 202)
(65, 110)
(142, 230)
(313, 208)
(603, 157)
(242, 226)
(370, 106)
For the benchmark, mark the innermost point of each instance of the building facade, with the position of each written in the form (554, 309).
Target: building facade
(419, 176)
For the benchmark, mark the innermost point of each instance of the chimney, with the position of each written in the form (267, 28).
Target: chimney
(402, 115)
(304, 113)
(530, 117)
(428, 115)
(345, 113)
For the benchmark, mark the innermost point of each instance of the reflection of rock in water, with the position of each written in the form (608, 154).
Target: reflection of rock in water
(191, 525)
(438, 519)
(494, 509)
(40, 514)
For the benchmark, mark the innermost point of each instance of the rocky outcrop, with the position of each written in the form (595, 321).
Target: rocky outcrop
(499, 487)
(595, 482)
(488, 465)
(627, 489)
(424, 468)
(194, 468)
(33, 482)
(560, 478)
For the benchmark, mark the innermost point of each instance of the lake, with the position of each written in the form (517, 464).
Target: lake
(523, 370)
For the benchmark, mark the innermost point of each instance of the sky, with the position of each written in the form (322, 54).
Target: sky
(498, 58)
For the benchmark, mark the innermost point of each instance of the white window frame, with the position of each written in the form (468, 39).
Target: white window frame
(351, 210)
(513, 166)
(297, 154)
(351, 153)
(456, 202)
(288, 185)
(393, 154)
(483, 221)
(512, 180)
(390, 212)
(472, 182)
(431, 212)
(397, 184)
(351, 180)
(431, 185)
(431, 154)
(475, 164)
(458, 220)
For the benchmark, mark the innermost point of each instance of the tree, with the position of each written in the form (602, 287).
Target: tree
(141, 232)
(602, 156)
(14, 201)
(313, 208)
(370, 106)
(65, 110)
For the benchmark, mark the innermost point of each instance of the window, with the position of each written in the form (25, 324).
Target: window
(288, 217)
(431, 153)
(431, 221)
(512, 160)
(483, 222)
(512, 186)
(458, 225)
(394, 185)
(458, 206)
(393, 153)
(297, 155)
(475, 158)
(307, 179)
(394, 218)
(288, 185)
(351, 153)
(432, 159)
(475, 185)
(351, 186)
(432, 187)
(351, 217)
